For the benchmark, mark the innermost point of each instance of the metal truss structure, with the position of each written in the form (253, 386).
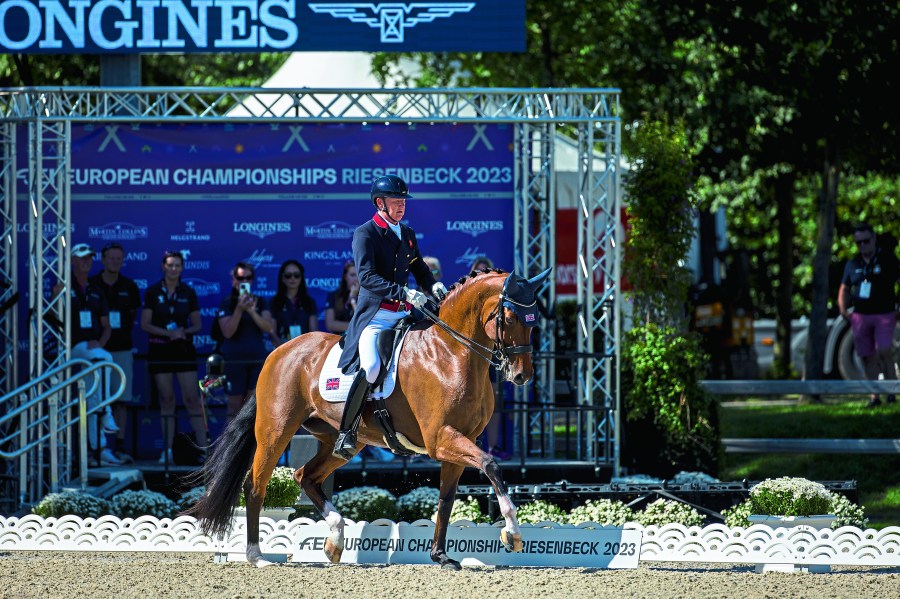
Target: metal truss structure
(589, 115)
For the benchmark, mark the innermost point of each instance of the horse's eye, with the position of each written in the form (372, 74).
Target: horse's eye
(510, 319)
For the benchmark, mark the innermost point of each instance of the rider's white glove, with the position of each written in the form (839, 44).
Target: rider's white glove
(439, 291)
(415, 297)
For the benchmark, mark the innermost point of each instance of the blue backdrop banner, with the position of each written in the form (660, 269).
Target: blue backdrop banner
(191, 26)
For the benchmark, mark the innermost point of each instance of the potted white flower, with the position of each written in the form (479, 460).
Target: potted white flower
(790, 501)
(281, 496)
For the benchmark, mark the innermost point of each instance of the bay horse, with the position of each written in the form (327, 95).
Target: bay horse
(442, 401)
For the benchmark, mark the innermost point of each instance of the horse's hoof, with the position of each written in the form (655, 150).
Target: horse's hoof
(512, 541)
(332, 551)
(262, 563)
(451, 564)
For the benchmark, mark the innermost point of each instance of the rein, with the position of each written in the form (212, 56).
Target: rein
(499, 355)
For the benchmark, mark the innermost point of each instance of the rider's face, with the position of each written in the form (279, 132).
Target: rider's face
(394, 207)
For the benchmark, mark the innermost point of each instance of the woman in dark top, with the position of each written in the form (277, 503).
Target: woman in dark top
(170, 316)
(294, 311)
(340, 305)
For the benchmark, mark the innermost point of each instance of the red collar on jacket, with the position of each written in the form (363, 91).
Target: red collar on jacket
(379, 220)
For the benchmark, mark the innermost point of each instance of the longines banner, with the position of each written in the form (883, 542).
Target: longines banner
(187, 26)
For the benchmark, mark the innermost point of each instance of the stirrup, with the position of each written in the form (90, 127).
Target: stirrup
(345, 446)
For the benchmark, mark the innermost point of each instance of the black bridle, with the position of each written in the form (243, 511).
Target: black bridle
(497, 356)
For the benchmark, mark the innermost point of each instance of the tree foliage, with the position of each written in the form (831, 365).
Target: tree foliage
(661, 211)
(157, 70)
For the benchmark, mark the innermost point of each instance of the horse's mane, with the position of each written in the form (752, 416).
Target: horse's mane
(453, 291)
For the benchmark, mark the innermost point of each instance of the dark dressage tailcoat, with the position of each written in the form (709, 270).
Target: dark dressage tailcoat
(383, 264)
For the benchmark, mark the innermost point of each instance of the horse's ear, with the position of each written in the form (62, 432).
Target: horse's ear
(513, 285)
(536, 280)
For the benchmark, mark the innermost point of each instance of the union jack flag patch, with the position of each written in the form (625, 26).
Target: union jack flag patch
(333, 384)
(529, 318)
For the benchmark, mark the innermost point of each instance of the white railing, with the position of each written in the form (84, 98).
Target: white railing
(41, 415)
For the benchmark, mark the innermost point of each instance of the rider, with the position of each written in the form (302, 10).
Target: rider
(385, 252)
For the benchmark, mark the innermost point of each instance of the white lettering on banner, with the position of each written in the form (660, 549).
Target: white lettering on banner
(258, 257)
(254, 176)
(474, 227)
(330, 230)
(324, 283)
(119, 176)
(136, 257)
(601, 547)
(119, 232)
(412, 176)
(204, 288)
(327, 255)
(141, 283)
(262, 230)
(79, 23)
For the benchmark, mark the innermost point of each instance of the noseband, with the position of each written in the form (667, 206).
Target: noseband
(499, 355)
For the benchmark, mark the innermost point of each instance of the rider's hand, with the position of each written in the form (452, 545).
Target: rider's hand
(415, 297)
(439, 291)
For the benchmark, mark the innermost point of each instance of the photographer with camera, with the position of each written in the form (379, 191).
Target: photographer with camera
(244, 320)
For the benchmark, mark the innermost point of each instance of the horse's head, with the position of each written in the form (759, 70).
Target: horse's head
(516, 315)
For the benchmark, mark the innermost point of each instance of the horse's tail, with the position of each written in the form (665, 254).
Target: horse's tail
(224, 472)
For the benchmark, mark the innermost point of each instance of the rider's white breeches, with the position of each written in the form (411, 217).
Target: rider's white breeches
(368, 353)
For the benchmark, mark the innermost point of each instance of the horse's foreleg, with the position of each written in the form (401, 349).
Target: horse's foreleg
(454, 447)
(510, 535)
(450, 474)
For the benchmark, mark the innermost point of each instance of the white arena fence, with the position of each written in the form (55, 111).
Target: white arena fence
(802, 546)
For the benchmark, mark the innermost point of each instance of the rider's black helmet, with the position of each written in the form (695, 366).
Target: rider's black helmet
(215, 364)
(389, 186)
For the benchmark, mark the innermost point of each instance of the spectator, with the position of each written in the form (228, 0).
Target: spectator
(295, 312)
(870, 279)
(434, 265)
(170, 316)
(341, 304)
(124, 300)
(481, 263)
(89, 316)
(244, 320)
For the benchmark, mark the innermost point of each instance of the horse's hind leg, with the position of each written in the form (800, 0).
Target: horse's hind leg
(269, 448)
(454, 447)
(310, 477)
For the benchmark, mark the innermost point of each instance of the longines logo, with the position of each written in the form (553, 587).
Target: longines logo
(118, 232)
(474, 227)
(204, 288)
(262, 230)
(49, 228)
(324, 283)
(330, 230)
(392, 18)
(190, 233)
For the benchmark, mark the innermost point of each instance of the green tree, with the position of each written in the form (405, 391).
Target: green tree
(157, 70)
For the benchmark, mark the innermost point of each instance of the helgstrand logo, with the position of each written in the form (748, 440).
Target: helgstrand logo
(474, 227)
(262, 230)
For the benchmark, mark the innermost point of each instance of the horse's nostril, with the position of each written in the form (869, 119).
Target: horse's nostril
(519, 379)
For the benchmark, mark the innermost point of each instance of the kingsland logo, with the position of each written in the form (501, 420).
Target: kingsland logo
(148, 24)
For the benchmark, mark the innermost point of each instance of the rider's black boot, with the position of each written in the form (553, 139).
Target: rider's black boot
(345, 446)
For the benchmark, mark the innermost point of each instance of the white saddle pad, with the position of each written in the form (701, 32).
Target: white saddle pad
(334, 385)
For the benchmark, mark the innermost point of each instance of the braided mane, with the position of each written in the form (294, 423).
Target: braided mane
(454, 289)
